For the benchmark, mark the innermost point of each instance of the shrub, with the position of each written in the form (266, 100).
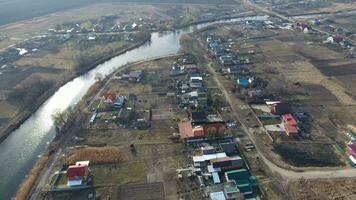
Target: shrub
(30, 181)
(96, 155)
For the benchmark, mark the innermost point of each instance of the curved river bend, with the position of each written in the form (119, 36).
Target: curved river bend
(19, 152)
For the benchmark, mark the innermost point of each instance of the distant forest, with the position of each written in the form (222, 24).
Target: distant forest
(16, 10)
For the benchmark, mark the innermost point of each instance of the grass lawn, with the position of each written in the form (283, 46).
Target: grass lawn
(7, 110)
(131, 172)
(6, 42)
(270, 121)
(62, 180)
(95, 104)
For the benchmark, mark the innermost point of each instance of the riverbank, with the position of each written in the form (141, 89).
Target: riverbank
(24, 115)
(27, 187)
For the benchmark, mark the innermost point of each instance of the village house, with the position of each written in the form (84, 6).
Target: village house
(209, 122)
(203, 160)
(280, 108)
(352, 153)
(227, 59)
(111, 99)
(77, 173)
(227, 163)
(290, 124)
(195, 81)
(244, 82)
(187, 131)
(234, 70)
(177, 70)
(242, 179)
(217, 196)
(135, 76)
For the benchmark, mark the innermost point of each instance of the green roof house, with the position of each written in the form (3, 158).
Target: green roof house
(241, 177)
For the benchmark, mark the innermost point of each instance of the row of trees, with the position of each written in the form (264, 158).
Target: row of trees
(29, 90)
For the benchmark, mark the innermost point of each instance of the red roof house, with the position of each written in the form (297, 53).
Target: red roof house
(290, 124)
(76, 172)
(352, 149)
(109, 98)
(186, 130)
(338, 38)
(352, 153)
(189, 131)
(198, 131)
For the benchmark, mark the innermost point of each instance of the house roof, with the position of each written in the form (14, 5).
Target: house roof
(291, 128)
(82, 163)
(76, 171)
(271, 102)
(135, 74)
(239, 172)
(289, 119)
(224, 162)
(338, 38)
(245, 188)
(230, 189)
(185, 130)
(211, 169)
(208, 157)
(199, 116)
(281, 108)
(353, 159)
(220, 159)
(229, 147)
(198, 131)
(352, 147)
(74, 182)
(216, 177)
(110, 97)
(217, 196)
(243, 82)
(195, 80)
(119, 99)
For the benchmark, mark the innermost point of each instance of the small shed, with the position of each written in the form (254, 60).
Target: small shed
(216, 177)
(217, 196)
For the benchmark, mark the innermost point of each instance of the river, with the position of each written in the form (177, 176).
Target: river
(20, 151)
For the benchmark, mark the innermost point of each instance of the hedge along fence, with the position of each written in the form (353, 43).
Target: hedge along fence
(96, 155)
(30, 181)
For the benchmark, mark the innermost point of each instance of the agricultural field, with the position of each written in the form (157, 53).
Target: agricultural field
(325, 189)
(295, 7)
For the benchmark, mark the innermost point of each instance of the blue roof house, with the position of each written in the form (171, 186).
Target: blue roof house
(119, 101)
(243, 82)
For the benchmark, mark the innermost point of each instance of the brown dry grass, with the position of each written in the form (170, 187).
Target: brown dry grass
(29, 182)
(305, 72)
(97, 155)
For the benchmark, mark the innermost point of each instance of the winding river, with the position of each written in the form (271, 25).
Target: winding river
(20, 151)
